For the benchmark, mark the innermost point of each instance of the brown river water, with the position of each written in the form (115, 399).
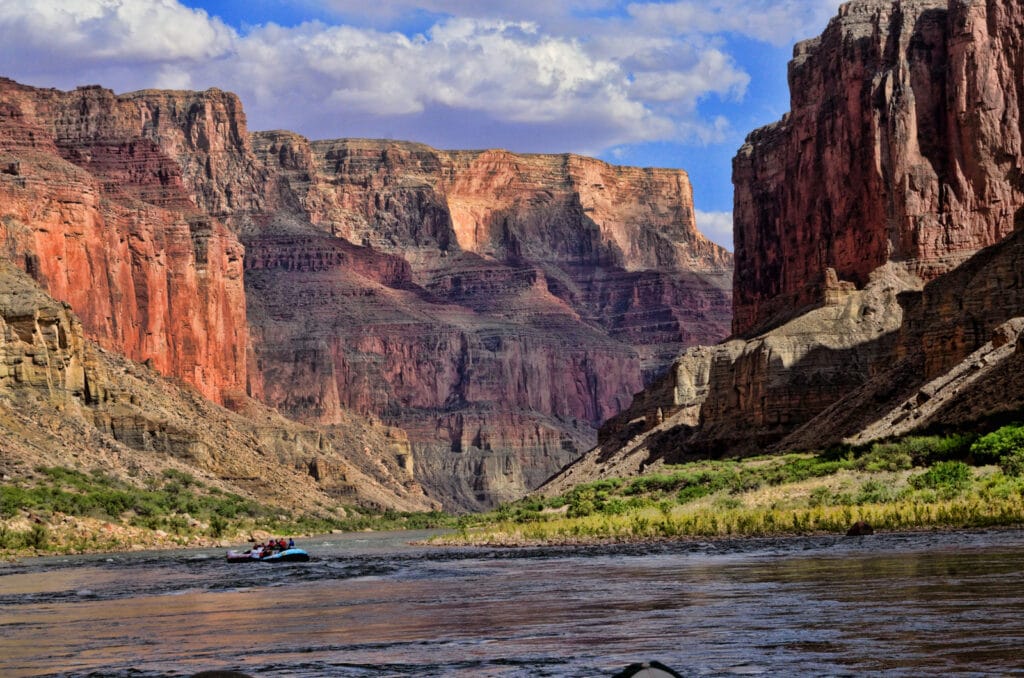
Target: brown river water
(374, 605)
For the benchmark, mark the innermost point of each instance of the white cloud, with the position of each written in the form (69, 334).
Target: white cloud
(505, 72)
(581, 75)
(113, 30)
(717, 226)
(776, 22)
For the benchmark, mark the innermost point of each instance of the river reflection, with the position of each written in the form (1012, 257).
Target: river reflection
(375, 606)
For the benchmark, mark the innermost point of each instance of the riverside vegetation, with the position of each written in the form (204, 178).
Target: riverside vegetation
(64, 510)
(952, 481)
(919, 482)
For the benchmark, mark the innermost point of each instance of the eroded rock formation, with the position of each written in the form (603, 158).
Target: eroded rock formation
(959, 361)
(501, 308)
(903, 144)
(65, 401)
(900, 160)
(497, 308)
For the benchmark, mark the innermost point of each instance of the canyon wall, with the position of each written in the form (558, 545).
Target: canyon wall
(497, 307)
(903, 144)
(493, 309)
(65, 401)
(111, 203)
(900, 160)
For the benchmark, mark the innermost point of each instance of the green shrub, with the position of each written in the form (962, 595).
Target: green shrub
(1012, 464)
(727, 503)
(927, 450)
(948, 478)
(217, 526)
(886, 457)
(615, 507)
(992, 448)
(875, 492)
(581, 508)
(13, 499)
(692, 493)
(174, 476)
(38, 537)
(820, 496)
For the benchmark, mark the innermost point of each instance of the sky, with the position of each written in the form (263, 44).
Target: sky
(651, 83)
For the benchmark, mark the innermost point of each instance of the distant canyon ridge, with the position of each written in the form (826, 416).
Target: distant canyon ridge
(479, 313)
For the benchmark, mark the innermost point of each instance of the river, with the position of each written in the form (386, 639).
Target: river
(374, 605)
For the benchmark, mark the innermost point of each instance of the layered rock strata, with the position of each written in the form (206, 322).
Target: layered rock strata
(111, 203)
(64, 401)
(956, 363)
(903, 144)
(505, 305)
(495, 307)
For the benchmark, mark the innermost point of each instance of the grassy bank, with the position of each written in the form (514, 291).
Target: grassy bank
(63, 510)
(913, 483)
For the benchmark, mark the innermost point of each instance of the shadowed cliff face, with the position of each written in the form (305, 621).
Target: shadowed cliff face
(903, 144)
(513, 303)
(900, 160)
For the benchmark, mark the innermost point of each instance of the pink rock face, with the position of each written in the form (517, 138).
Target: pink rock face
(617, 245)
(95, 204)
(497, 307)
(903, 145)
(537, 295)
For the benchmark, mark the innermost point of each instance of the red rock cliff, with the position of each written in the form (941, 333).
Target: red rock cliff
(903, 144)
(110, 203)
(901, 159)
(516, 302)
(497, 307)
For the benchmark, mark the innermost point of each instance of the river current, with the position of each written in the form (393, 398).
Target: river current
(374, 605)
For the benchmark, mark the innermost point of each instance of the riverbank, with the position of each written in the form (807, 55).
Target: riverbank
(66, 511)
(915, 483)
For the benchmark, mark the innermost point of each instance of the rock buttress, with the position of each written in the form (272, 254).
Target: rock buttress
(903, 145)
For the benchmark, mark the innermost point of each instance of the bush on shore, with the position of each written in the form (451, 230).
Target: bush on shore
(958, 480)
(174, 504)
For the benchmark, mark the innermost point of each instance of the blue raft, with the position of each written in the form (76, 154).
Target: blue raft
(292, 555)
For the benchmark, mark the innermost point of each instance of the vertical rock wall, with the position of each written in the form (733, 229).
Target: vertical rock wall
(109, 202)
(903, 144)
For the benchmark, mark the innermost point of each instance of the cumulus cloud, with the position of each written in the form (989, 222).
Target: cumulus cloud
(581, 75)
(508, 73)
(113, 30)
(716, 226)
(773, 21)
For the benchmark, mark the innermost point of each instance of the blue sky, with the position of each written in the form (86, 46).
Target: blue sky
(665, 83)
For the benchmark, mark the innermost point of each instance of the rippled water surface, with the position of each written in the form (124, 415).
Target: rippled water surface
(373, 605)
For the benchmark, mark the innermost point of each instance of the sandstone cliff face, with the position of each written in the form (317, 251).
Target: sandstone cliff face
(900, 160)
(506, 305)
(495, 307)
(66, 401)
(618, 245)
(109, 202)
(903, 144)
